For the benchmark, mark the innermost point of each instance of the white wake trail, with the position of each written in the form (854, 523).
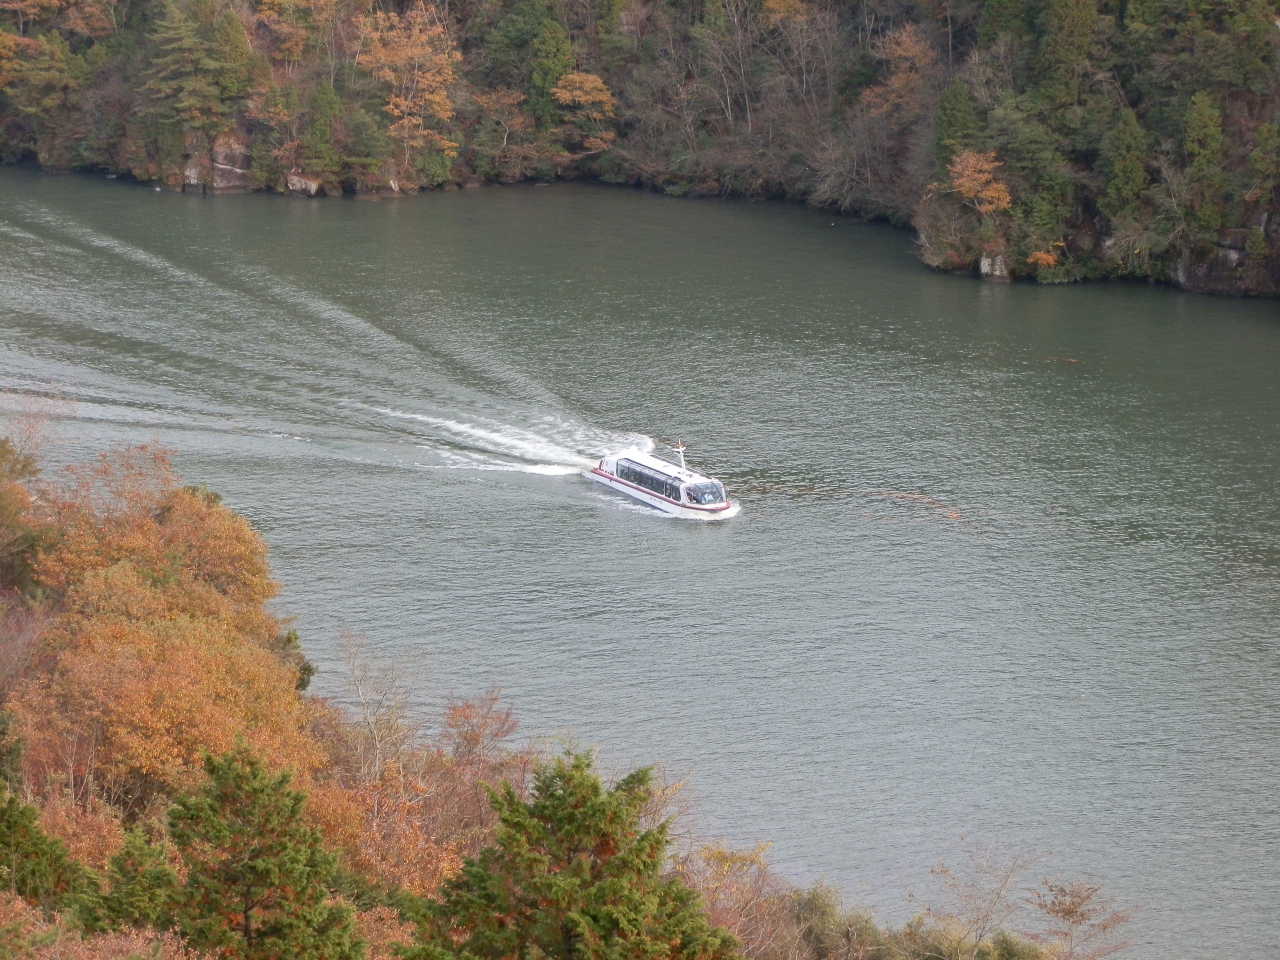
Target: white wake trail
(564, 449)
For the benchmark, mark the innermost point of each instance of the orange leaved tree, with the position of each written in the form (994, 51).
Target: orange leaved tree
(588, 105)
(414, 56)
(159, 648)
(973, 179)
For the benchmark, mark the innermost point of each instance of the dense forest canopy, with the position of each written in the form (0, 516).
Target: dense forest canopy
(1059, 139)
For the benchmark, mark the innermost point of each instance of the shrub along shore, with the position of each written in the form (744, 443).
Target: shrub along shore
(1051, 139)
(171, 789)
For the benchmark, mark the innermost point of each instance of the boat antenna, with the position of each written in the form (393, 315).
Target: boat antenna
(679, 449)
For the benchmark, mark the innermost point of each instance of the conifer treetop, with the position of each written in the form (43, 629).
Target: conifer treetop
(573, 875)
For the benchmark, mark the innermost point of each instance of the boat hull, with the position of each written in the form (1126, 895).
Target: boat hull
(670, 507)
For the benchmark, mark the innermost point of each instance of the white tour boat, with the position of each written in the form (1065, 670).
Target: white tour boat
(670, 487)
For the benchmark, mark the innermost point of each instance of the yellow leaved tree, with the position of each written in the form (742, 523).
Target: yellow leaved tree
(973, 179)
(414, 56)
(159, 648)
(588, 105)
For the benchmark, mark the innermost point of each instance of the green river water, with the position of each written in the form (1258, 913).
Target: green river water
(1007, 569)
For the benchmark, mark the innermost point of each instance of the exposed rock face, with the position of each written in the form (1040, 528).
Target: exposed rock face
(229, 150)
(1244, 262)
(306, 186)
(230, 164)
(228, 179)
(1228, 271)
(994, 268)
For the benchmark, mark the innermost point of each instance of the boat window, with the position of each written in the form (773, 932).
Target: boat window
(650, 480)
(704, 493)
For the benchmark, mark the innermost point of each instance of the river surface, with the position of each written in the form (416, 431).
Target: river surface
(1008, 565)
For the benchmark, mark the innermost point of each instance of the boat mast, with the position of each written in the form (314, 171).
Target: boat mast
(679, 449)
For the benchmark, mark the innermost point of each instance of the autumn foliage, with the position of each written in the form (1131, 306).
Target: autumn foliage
(161, 646)
(589, 105)
(141, 645)
(973, 178)
(412, 54)
(1134, 140)
(28, 933)
(911, 66)
(163, 768)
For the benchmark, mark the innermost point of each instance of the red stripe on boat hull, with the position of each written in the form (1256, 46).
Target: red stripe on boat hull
(685, 506)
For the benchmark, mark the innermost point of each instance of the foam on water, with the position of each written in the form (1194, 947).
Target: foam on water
(555, 445)
(977, 594)
(474, 460)
(565, 448)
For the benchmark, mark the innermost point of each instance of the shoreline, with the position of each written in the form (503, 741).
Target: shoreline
(986, 271)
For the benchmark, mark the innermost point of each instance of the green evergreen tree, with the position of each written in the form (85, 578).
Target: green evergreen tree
(614, 46)
(507, 46)
(266, 169)
(1124, 164)
(366, 145)
(1204, 143)
(36, 866)
(1256, 248)
(10, 754)
(572, 875)
(608, 15)
(957, 126)
(1203, 138)
(1172, 48)
(46, 94)
(1007, 18)
(141, 886)
(182, 76)
(1065, 44)
(231, 57)
(320, 159)
(552, 58)
(203, 12)
(256, 873)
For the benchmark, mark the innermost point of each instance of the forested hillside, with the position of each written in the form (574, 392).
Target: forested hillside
(1059, 139)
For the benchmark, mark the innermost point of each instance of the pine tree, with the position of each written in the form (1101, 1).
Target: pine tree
(572, 876)
(552, 59)
(1065, 45)
(141, 886)
(34, 865)
(1124, 163)
(1204, 144)
(1007, 18)
(231, 56)
(1203, 138)
(320, 159)
(957, 126)
(181, 78)
(256, 873)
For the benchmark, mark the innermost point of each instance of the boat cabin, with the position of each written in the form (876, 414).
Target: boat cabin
(666, 479)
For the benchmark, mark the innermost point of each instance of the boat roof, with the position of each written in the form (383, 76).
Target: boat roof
(684, 475)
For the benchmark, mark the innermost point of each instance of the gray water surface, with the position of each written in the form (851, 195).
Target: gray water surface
(1008, 564)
